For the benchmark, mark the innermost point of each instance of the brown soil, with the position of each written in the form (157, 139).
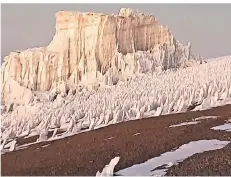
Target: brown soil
(86, 153)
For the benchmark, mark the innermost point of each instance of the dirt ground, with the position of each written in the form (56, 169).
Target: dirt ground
(134, 141)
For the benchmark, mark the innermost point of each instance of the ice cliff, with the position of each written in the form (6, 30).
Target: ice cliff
(93, 48)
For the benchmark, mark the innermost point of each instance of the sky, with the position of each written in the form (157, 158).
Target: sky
(206, 26)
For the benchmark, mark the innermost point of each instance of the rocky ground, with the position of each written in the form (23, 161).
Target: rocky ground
(134, 141)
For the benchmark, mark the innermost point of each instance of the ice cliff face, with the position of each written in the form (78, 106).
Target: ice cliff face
(90, 47)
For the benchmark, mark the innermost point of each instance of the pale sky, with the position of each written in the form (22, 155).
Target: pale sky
(207, 26)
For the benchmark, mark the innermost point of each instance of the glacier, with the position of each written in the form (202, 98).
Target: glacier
(143, 95)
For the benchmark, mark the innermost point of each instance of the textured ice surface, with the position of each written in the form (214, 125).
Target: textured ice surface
(168, 159)
(152, 94)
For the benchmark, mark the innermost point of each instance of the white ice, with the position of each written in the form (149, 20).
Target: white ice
(226, 127)
(150, 94)
(173, 157)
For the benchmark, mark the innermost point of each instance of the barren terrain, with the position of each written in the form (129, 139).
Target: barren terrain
(134, 141)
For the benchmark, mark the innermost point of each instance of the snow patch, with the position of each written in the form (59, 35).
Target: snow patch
(225, 127)
(46, 145)
(108, 170)
(136, 134)
(168, 159)
(205, 117)
(185, 123)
